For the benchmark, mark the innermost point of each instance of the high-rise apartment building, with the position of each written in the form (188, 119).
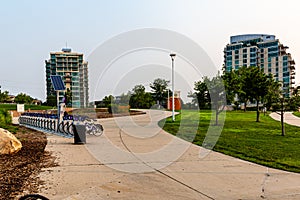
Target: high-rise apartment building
(264, 51)
(74, 72)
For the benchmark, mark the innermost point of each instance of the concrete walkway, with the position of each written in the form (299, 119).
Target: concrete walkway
(125, 163)
(289, 118)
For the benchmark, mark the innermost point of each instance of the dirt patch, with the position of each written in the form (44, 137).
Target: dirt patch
(19, 172)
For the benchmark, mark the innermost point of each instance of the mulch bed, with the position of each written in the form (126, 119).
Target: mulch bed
(19, 171)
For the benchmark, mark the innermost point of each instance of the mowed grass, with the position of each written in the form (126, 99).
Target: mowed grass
(242, 137)
(296, 114)
(31, 107)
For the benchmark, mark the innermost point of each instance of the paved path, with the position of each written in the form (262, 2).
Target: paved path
(120, 165)
(289, 118)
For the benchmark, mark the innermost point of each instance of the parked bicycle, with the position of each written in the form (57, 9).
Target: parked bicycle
(33, 197)
(93, 128)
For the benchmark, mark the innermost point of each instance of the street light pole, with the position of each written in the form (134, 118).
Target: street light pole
(173, 101)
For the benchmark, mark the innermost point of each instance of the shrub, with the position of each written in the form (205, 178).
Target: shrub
(5, 117)
(114, 108)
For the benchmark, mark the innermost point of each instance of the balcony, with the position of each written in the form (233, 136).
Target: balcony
(291, 61)
(292, 67)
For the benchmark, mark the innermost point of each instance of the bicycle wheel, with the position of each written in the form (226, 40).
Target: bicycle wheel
(33, 197)
(61, 127)
(99, 130)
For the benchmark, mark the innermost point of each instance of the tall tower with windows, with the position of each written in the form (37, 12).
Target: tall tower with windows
(264, 51)
(74, 71)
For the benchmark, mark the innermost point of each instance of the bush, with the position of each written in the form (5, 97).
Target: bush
(5, 117)
(114, 108)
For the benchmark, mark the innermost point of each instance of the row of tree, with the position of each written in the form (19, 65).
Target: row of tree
(239, 87)
(138, 97)
(21, 98)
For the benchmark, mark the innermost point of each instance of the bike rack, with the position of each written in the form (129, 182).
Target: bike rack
(48, 123)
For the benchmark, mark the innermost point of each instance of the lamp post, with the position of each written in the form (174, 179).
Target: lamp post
(173, 101)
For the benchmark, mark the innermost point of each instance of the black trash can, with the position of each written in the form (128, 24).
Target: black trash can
(79, 134)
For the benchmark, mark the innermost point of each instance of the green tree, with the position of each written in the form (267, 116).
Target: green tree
(23, 98)
(294, 103)
(3, 96)
(124, 98)
(68, 97)
(256, 85)
(108, 100)
(243, 93)
(217, 94)
(51, 100)
(140, 98)
(200, 96)
(5, 118)
(159, 89)
(232, 84)
(273, 94)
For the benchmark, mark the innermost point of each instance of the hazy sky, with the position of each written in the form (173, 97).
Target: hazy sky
(31, 29)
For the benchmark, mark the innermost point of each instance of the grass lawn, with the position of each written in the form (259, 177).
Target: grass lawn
(296, 114)
(242, 137)
(31, 107)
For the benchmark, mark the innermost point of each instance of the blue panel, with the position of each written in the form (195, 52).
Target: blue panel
(58, 83)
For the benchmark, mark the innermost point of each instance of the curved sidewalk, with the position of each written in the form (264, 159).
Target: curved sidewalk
(289, 118)
(98, 171)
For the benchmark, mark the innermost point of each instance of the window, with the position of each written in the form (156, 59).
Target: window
(286, 79)
(228, 68)
(244, 50)
(245, 56)
(245, 61)
(286, 74)
(273, 54)
(236, 52)
(236, 57)
(269, 59)
(229, 57)
(236, 62)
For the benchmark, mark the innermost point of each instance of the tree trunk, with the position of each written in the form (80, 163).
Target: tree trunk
(217, 116)
(282, 119)
(257, 111)
(245, 103)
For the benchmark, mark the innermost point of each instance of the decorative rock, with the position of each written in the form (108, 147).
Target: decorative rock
(8, 142)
